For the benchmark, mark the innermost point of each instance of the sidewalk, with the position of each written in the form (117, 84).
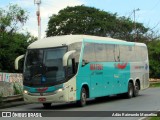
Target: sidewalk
(12, 101)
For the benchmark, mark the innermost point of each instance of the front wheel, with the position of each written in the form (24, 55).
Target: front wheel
(83, 98)
(136, 89)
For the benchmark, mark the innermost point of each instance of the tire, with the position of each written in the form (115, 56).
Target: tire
(136, 89)
(83, 98)
(130, 92)
(47, 105)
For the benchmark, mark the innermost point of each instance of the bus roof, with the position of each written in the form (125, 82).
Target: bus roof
(63, 40)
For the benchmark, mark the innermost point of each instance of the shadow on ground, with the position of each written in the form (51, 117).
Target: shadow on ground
(96, 101)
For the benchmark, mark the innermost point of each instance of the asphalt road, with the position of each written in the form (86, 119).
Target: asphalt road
(148, 100)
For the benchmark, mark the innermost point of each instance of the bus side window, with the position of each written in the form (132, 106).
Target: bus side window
(127, 53)
(123, 53)
(76, 55)
(109, 52)
(70, 67)
(144, 53)
(100, 52)
(138, 54)
(131, 53)
(89, 53)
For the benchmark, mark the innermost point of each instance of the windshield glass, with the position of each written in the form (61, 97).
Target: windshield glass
(43, 67)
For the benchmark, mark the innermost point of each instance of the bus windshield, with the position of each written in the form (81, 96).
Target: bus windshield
(44, 67)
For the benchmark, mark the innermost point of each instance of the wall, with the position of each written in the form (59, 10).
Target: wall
(10, 84)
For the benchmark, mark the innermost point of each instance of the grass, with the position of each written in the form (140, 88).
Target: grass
(154, 85)
(154, 118)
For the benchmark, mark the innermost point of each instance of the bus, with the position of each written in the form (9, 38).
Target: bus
(74, 68)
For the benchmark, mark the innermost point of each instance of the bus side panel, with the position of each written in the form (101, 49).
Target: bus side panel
(123, 73)
(71, 87)
(111, 79)
(140, 71)
(81, 80)
(140, 68)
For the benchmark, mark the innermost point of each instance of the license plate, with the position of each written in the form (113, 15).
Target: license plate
(41, 99)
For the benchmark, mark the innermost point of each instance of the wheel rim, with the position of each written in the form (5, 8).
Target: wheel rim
(136, 88)
(83, 100)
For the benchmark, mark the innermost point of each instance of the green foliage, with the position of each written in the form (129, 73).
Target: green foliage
(154, 84)
(12, 43)
(11, 47)
(154, 118)
(17, 89)
(12, 18)
(154, 57)
(92, 21)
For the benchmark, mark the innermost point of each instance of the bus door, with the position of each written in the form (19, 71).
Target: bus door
(96, 78)
(94, 68)
(117, 73)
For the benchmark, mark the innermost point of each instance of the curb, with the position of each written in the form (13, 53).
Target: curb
(12, 101)
(12, 98)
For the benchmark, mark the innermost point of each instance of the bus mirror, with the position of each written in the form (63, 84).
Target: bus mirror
(17, 61)
(66, 56)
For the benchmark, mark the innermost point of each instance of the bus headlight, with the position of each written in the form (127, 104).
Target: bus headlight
(60, 90)
(25, 92)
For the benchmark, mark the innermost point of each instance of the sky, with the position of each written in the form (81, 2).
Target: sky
(149, 13)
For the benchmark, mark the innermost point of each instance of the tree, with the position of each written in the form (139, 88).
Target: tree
(92, 21)
(11, 19)
(12, 43)
(154, 57)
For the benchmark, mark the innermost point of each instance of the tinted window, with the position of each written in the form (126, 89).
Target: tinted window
(144, 53)
(44, 67)
(127, 53)
(89, 53)
(100, 52)
(77, 47)
(138, 55)
(116, 53)
(34, 57)
(110, 52)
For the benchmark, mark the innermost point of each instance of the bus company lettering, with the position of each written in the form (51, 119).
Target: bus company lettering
(139, 67)
(96, 67)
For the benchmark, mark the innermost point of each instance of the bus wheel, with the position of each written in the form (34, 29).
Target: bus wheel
(47, 105)
(136, 90)
(83, 98)
(130, 90)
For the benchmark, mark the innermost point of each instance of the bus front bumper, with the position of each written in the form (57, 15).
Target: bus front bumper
(59, 97)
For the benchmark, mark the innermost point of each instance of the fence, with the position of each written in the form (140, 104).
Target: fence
(10, 84)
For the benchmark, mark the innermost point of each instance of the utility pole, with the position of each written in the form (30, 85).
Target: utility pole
(134, 11)
(38, 2)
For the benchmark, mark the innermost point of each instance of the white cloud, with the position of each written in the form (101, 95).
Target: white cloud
(50, 7)
(47, 8)
(24, 3)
